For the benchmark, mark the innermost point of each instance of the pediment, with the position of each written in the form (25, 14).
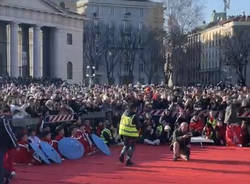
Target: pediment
(40, 5)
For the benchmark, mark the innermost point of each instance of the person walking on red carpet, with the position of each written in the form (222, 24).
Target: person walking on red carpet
(129, 130)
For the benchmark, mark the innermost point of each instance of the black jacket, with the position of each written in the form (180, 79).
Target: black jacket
(7, 137)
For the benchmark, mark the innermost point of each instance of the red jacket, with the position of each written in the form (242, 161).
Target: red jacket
(196, 126)
(23, 154)
(234, 135)
(55, 142)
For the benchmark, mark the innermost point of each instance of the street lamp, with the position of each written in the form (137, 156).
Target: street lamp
(90, 74)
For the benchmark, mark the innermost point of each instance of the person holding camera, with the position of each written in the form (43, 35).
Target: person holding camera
(181, 142)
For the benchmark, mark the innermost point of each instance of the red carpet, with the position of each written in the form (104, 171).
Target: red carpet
(154, 165)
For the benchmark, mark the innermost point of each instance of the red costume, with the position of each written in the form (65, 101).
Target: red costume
(49, 141)
(196, 126)
(234, 135)
(81, 137)
(55, 142)
(23, 154)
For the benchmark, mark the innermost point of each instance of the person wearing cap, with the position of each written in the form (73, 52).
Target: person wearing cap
(7, 138)
(129, 130)
(181, 142)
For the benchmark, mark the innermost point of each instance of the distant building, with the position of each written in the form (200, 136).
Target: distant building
(40, 39)
(139, 14)
(205, 56)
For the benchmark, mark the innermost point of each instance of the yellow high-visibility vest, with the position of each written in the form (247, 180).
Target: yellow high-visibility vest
(105, 130)
(127, 128)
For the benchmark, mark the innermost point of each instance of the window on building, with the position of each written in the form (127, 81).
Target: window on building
(126, 10)
(141, 12)
(141, 67)
(69, 39)
(112, 11)
(69, 71)
(96, 10)
(140, 26)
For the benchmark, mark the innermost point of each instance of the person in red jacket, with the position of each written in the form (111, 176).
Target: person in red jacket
(196, 125)
(59, 135)
(23, 154)
(46, 137)
(220, 132)
(81, 137)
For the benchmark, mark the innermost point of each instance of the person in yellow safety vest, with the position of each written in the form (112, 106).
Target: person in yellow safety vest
(129, 131)
(107, 136)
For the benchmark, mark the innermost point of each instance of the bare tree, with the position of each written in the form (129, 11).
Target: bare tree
(130, 46)
(93, 42)
(187, 13)
(182, 16)
(152, 53)
(236, 52)
(111, 51)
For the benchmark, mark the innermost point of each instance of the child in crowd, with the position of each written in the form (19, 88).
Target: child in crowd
(46, 137)
(80, 135)
(196, 125)
(59, 135)
(208, 131)
(23, 154)
(220, 132)
(107, 134)
(33, 138)
(150, 136)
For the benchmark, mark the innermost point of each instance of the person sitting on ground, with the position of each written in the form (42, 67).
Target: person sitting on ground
(24, 154)
(196, 125)
(107, 135)
(46, 137)
(208, 131)
(220, 133)
(181, 142)
(150, 136)
(60, 134)
(82, 138)
(33, 138)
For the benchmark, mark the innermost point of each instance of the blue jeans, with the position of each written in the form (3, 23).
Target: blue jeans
(2, 152)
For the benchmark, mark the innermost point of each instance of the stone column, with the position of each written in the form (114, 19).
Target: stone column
(25, 51)
(37, 62)
(14, 70)
(3, 49)
(46, 52)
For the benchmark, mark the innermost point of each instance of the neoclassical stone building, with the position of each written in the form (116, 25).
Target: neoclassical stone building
(40, 39)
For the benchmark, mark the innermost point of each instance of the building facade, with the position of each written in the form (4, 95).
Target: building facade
(39, 39)
(208, 63)
(119, 14)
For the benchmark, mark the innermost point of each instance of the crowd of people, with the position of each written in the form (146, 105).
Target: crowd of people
(211, 111)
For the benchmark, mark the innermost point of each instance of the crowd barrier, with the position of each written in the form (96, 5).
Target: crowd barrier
(25, 122)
